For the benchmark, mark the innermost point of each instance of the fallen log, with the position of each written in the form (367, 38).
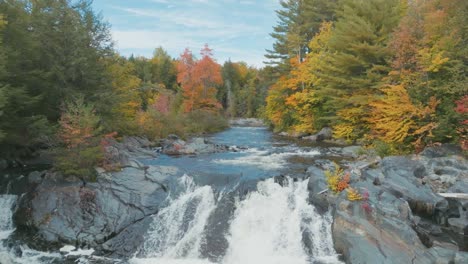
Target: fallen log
(454, 195)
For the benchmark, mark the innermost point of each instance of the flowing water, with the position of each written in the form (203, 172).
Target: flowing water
(227, 209)
(214, 220)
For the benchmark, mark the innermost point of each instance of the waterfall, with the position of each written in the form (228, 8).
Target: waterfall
(273, 225)
(177, 230)
(7, 256)
(7, 202)
(276, 225)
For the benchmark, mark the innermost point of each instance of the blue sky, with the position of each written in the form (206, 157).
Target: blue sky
(235, 29)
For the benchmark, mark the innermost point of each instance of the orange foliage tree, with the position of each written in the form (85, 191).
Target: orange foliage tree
(199, 80)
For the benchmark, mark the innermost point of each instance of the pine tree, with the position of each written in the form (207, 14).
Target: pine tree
(359, 60)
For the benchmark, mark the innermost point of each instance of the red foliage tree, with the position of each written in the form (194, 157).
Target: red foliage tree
(199, 80)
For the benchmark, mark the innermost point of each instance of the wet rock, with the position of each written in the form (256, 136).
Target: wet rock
(127, 242)
(194, 147)
(316, 186)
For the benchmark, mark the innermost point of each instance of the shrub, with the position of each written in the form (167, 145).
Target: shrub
(353, 194)
(337, 180)
(79, 133)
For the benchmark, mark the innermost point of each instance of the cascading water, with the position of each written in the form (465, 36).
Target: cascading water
(28, 256)
(270, 226)
(177, 230)
(273, 225)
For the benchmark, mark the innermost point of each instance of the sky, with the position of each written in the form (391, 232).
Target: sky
(235, 29)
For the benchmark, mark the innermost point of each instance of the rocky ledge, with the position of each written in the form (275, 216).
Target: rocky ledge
(404, 219)
(110, 215)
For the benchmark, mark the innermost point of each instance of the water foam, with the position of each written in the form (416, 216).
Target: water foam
(28, 256)
(268, 226)
(265, 159)
(176, 233)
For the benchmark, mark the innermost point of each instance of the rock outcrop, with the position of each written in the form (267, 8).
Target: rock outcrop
(173, 145)
(110, 214)
(403, 220)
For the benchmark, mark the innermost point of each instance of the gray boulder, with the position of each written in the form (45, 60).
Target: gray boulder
(67, 212)
(387, 227)
(316, 185)
(176, 146)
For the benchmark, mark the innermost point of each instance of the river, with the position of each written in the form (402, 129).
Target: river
(228, 208)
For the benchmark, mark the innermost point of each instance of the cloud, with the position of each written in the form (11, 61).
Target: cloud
(235, 29)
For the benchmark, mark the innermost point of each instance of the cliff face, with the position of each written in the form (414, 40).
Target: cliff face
(403, 220)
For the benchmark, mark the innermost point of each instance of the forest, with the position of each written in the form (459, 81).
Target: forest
(378, 72)
(386, 73)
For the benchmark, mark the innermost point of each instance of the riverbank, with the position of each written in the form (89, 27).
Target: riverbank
(405, 217)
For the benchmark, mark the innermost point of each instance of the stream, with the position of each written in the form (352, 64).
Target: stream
(228, 208)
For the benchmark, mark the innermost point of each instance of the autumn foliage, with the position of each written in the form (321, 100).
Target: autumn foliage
(199, 80)
(379, 71)
(79, 133)
(338, 180)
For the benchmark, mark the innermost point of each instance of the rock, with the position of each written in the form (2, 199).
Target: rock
(441, 151)
(458, 225)
(283, 134)
(36, 177)
(325, 134)
(3, 164)
(127, 242)
(246, 122)
(461, 258)
(194, 147)
(351, 151)
(311, 138)
(67, 212)
(316, 185)
(407, 220)
(122, 153)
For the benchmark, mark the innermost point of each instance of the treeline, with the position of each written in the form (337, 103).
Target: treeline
(386, 72)
(63, 86)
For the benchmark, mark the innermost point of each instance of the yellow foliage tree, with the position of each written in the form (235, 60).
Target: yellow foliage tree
(396, 119)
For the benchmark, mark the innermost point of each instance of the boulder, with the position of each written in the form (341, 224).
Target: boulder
(403, 220)
(176, 146)
(316, 186)
(325, 134)
(67, 212)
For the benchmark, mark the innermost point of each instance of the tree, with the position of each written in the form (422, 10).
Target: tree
(299, 21)
(163, 69)
(54, 51)
(358, 61)
(199, 80)
(396, 119)
(79, 133)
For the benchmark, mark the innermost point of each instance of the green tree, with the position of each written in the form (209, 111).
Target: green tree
(299, 21)
(79, 133)
(163, 69)
(358, 61)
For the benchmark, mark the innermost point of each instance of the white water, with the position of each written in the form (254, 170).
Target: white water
(267, 228)
(265, 159)
(177, 230)
(29, 256)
